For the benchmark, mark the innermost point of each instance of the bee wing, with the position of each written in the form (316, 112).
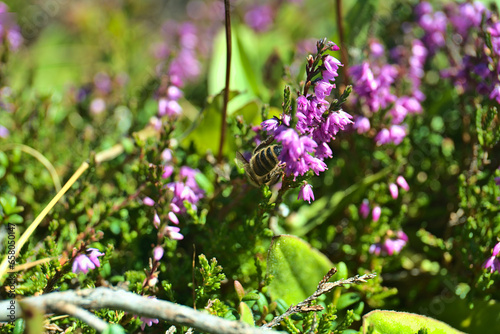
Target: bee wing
(240, 160)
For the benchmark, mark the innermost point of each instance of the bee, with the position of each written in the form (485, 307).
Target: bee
(264, 167)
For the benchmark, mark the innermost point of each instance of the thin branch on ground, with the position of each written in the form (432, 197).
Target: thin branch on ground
(95, 299)
(323, 287)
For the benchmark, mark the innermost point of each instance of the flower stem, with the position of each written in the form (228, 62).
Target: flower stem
(228, 74)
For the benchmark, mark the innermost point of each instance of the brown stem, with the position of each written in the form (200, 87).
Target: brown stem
(228, 74)
(343, 46)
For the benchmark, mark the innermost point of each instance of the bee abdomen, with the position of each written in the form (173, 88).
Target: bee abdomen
(265, 160)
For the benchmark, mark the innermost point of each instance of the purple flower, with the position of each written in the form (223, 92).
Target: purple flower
(323, 89)
(156, 220)
(167, 171)
(331, 65)
(4, 132)
(306, 193)
(158, 253)
(102, 82)
(377, 49)
(83, 263)
(271, 125)
(402, 183)
(496, 249)
(393, 189)
(397, 134)
(259, 18)
(492, 263)
(173, 233)
(97, 106)
(364, 208)
(376, 213)
(93, 256)
(173, 218)
(174, 93)
(148, 201)
(362, 125)
(166, 155)
(375, 249)
(168, 107)
(393, 244)
(383, 137)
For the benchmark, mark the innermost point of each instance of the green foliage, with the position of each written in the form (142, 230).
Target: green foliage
(296, 268)
(211, 278)
(389, 322)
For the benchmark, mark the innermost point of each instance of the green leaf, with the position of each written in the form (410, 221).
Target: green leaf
(240, 292)
(18, 327)
(296, 267)
(114, 329)
(246, 314)
(347, 299)
(392, 322)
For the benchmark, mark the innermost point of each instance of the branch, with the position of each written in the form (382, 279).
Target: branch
(228, 76)
(323, 287)
(132, 303)
(84, 315)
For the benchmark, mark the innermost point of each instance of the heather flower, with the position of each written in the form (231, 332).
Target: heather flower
(496, 249)
(102, 82)
(97, 106)
(393, 189)
(362, 125)
(4, 132)
(375, 249)
(376, 49)
(173, 233)
(364, 209)
(259, 18)
(158, 253)
(383, 137)
(306, 193)
(401, 181)
(167, 171)
(393, 245)
(174, 93)
(376, 213)
(168, 107)
(83, 263)
(148, 201)
(492, 263)
(156, 220)
(397, 134)
(166, 155)
(173, 218)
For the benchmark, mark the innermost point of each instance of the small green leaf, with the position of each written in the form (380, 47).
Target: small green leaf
(246, 314)
(347, 299)
(251, 296)
(239, 290)
(18, 327)
(392, 322)
(114, 329)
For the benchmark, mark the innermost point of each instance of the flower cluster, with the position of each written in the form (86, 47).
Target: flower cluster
(183, 67)
(85, 262)
(375, 82)
(480, 45)
(305, 143)
(184, 189)
(493, 262)
(392, 244)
